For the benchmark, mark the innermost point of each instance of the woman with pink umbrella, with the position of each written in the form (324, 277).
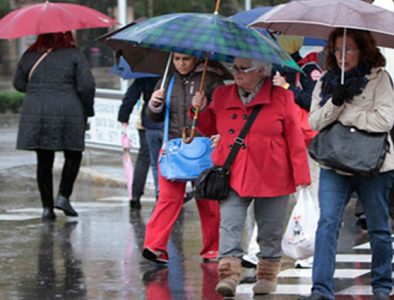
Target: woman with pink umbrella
(59, 89)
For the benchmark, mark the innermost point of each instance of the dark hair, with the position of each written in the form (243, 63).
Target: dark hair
(370, 55)
(55, 41)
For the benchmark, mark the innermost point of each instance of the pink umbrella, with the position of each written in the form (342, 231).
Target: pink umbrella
(127, 163)
(318, 18)
(51, 17)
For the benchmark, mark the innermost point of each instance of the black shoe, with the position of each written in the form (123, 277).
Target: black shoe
(158, 257)
(64, 204)
(248, 264)
(380, 296)
(249, 279)
(313, 297)
(48, 214)
(362, 222)
(188, 196)
(135, 204)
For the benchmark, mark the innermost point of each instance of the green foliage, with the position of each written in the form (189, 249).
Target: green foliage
(5, 7)
(227, 7)
(10, 101)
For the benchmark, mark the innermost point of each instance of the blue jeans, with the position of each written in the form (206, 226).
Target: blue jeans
(334, 194)
(154, 139)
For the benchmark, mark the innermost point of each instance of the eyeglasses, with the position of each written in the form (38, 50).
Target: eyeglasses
(349, 50)
(242, 70)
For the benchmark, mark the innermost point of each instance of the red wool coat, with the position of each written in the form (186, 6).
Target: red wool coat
(274, 160)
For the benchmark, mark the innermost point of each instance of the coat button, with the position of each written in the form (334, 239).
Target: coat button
(234, 116)
(231, 131)
(245, 117)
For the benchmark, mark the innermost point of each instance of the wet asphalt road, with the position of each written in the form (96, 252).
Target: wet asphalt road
(97, 255)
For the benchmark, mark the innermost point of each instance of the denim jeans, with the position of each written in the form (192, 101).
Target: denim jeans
(334, 194)
(154, 139)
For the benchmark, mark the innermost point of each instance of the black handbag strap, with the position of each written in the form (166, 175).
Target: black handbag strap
(239, 140)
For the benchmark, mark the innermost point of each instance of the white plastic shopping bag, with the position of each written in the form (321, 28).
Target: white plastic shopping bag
(299, 239)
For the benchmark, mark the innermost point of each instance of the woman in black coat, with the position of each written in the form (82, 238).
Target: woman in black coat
(59, 89)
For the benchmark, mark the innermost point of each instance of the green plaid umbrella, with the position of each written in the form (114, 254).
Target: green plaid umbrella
(200, 34)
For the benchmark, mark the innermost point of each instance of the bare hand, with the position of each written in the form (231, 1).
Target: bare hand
(157, 98)
(279, 80)
(215, 140)
(199, 101)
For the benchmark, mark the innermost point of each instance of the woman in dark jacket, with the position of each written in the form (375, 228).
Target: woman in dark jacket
(171, 193)
(59, 98)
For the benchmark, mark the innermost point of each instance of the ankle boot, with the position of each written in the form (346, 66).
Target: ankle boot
(48, 214)
(135, 203)
(229, 269)
(267, 276)
(64, 204)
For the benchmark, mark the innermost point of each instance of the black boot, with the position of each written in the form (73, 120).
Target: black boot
(135, 203)
(64, 204)
(48, 214)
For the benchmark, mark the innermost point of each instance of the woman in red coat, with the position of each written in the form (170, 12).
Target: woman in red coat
(272, 162)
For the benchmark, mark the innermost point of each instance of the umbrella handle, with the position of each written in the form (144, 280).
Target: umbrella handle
(188, 139)
(217, 7)
(185, 138)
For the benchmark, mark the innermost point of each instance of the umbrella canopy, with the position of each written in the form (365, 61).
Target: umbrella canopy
(318, 17)
(200, 34)
(123, 70)
(248, 16)
(149, 60)
(51, 17)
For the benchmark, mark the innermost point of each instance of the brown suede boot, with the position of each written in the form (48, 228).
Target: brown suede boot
(229, 269)
(267, 276)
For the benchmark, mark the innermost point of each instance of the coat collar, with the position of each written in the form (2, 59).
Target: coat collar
(262, 97)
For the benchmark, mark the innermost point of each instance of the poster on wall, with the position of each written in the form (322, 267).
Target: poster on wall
(105, 130)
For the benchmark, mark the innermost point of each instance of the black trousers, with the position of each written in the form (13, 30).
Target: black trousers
(45, 159)
(141, 167)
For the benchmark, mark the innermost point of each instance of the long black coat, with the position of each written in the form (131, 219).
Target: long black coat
(59, 98)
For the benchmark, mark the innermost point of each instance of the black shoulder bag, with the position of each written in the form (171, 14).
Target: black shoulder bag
(213, 183)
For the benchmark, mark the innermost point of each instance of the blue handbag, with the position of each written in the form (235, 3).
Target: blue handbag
(179, 161)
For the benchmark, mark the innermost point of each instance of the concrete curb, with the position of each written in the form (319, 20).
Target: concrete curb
(88, 174)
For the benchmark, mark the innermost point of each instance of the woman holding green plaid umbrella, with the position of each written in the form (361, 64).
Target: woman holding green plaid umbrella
(171, 194)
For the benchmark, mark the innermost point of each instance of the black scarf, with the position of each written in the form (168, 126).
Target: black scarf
(355, 81)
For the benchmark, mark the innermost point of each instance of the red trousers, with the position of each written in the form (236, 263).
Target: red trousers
(166, 212)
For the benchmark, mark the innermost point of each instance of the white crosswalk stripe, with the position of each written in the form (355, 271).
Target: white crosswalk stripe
(302, 278)
(31, 213)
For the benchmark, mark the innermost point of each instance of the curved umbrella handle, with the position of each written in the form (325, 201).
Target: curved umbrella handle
(188, 139)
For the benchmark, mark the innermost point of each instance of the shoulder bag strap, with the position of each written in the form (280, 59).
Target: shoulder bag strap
(239, 140)
(37, 63)
(167, 109)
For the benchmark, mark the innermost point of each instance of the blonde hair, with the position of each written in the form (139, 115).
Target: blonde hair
(291, 43)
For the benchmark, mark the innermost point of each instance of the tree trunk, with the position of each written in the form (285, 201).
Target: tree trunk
(150, 8)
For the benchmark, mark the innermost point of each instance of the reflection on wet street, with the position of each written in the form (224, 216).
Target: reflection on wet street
(59, 272)
(97, 256)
